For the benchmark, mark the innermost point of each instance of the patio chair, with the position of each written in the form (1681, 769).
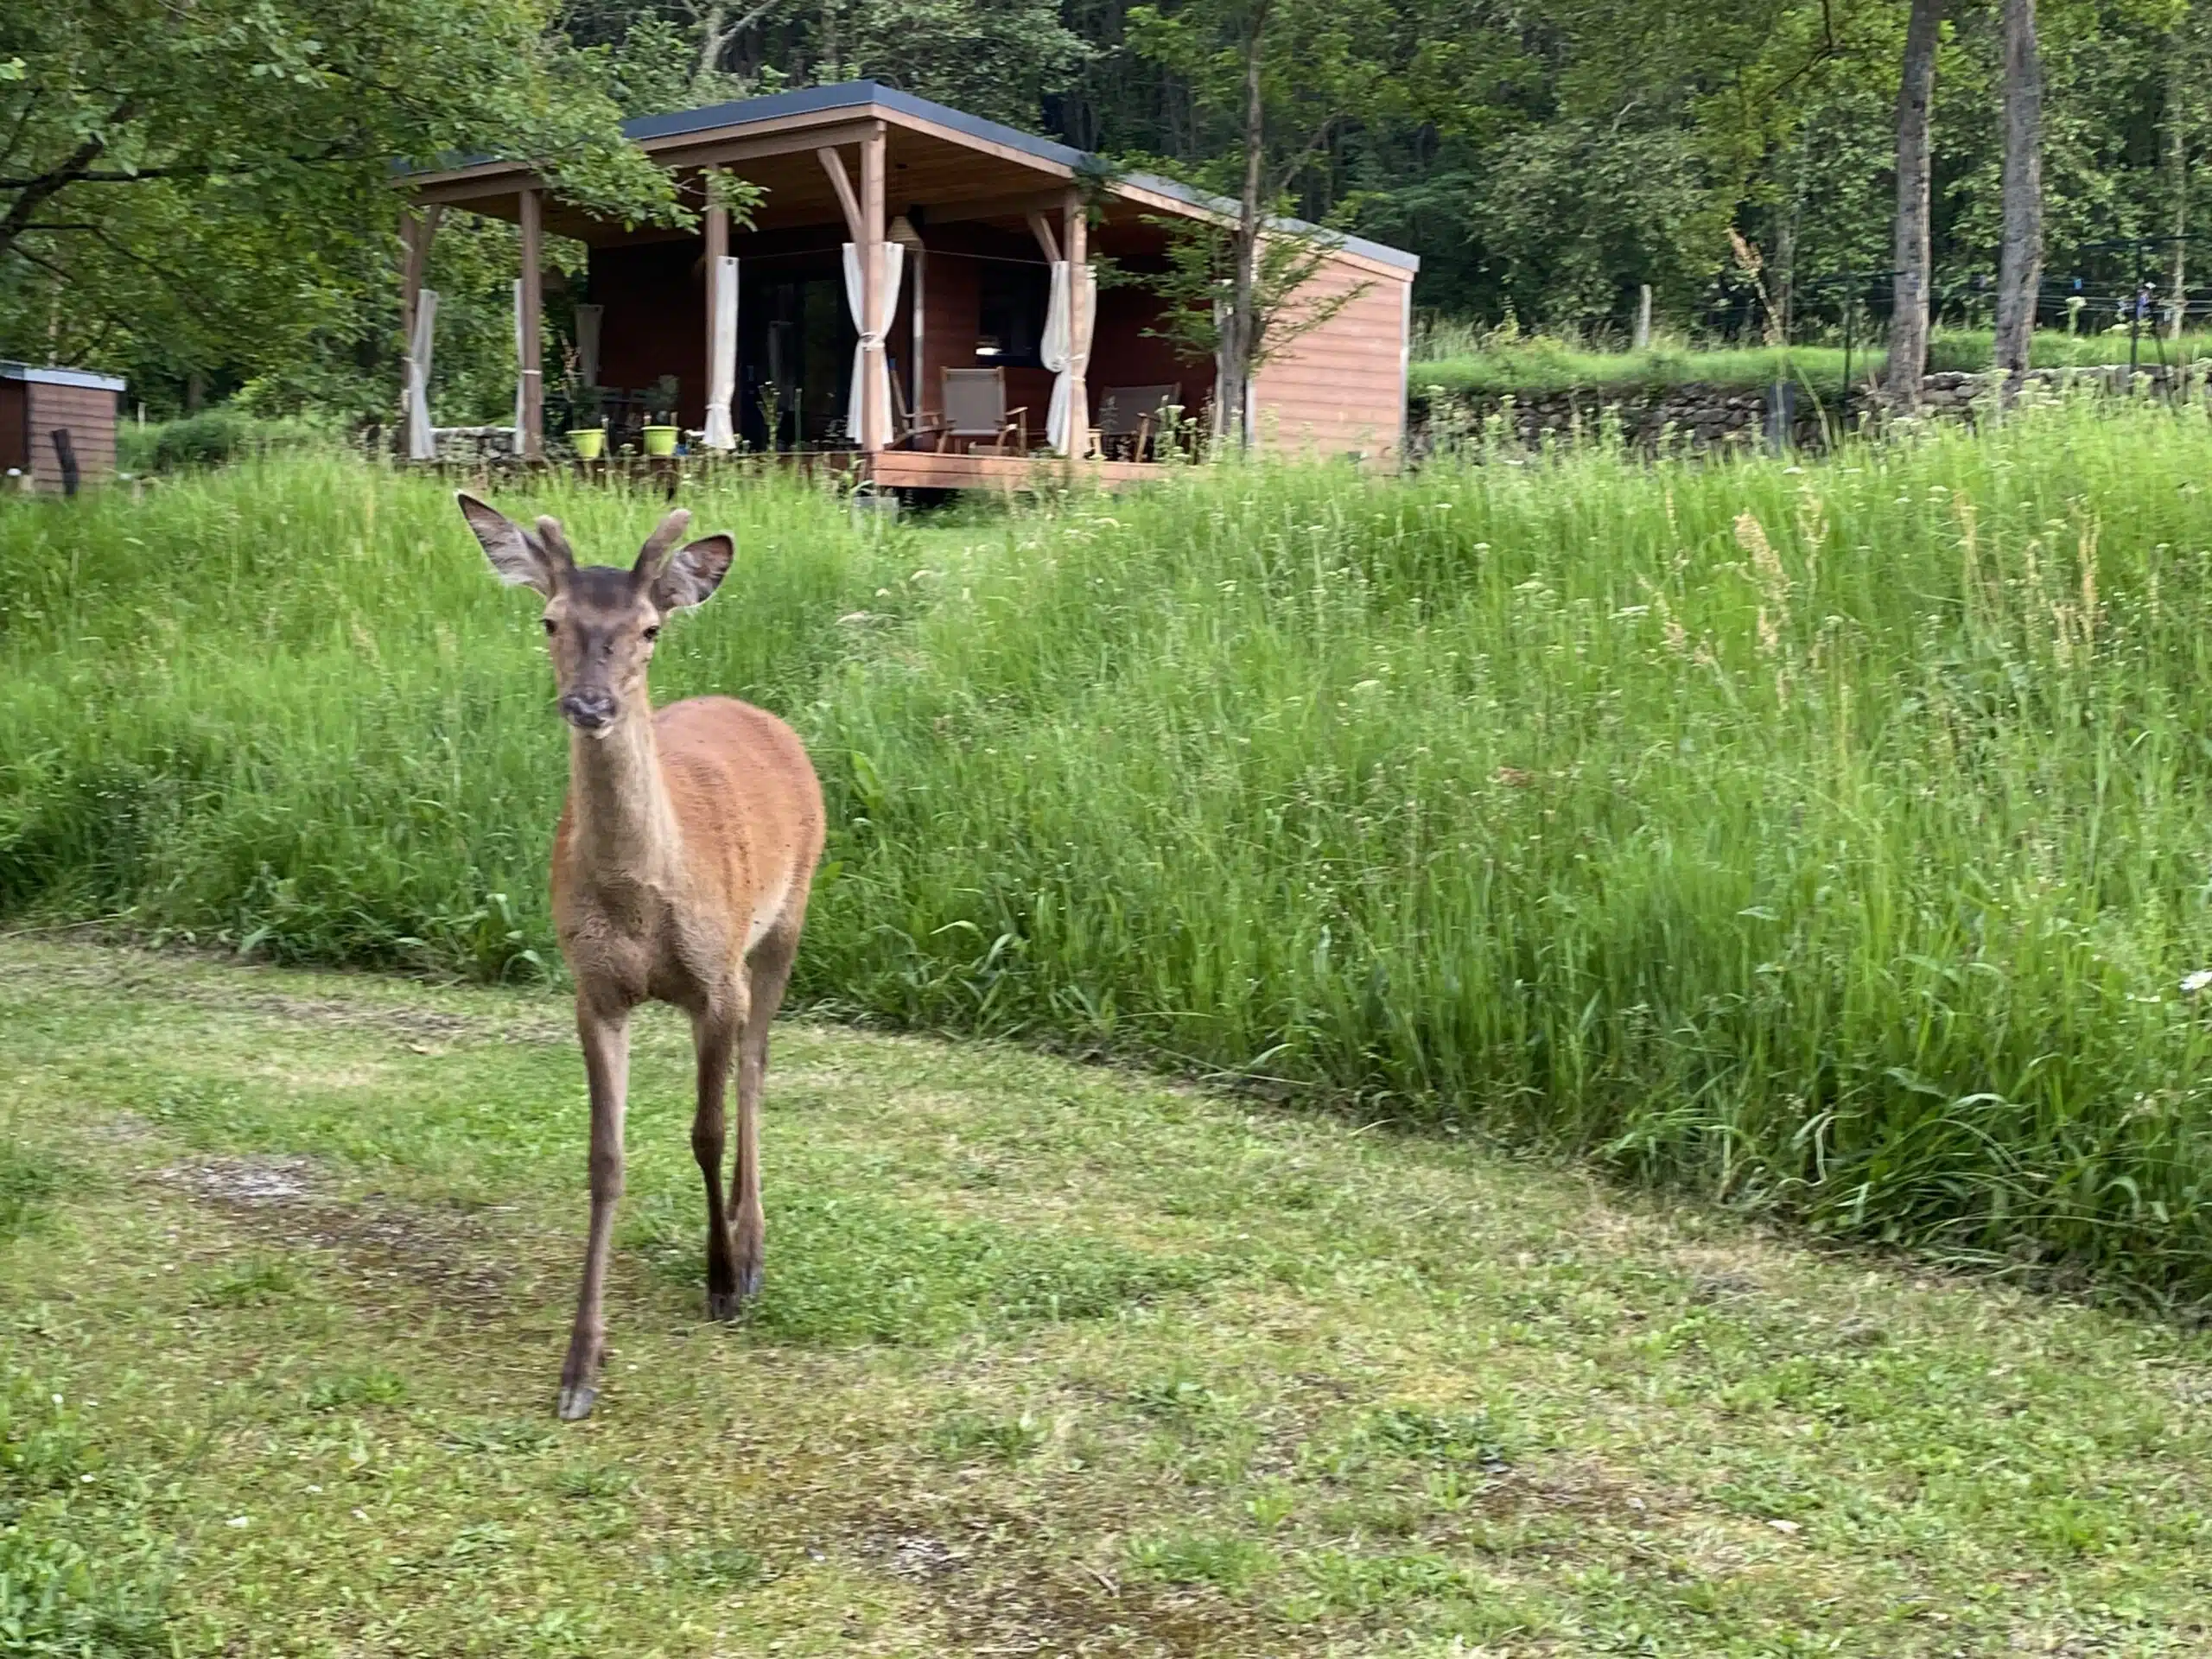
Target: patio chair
(1128, 415)
(975, 413)
(910, 430)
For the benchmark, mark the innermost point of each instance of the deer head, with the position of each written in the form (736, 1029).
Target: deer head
(602, 621)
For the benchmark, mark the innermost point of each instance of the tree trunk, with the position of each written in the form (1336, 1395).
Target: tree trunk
(2019, 271)
(1785, 269)
(1909, 318)
(1240, 332)
(2178, 182)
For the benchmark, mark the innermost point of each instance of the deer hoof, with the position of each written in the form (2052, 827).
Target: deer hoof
(723, 1306)
(577, 1401)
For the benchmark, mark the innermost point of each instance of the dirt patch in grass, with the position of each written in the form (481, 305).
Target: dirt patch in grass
(997, 1599)
(285, 1201)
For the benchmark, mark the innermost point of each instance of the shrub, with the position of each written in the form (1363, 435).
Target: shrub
(210, 439)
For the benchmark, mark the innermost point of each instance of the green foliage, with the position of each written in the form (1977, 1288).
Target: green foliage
(211, 187)
(209, 439)
(1803, 833)
(60, 1599)
(1293, 1455)
(26, 1183)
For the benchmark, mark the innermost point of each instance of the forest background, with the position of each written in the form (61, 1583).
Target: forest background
(197, 196)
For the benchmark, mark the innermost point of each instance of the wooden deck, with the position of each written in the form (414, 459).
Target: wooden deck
(890, 469)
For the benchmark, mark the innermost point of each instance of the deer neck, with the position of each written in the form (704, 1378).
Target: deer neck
(625, 823)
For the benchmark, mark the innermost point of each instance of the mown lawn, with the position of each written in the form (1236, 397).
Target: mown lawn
(1052, 1360)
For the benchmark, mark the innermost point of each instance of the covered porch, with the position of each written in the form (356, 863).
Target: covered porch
(915, 300)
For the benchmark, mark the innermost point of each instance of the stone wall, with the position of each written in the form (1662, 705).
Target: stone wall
(1699, 416)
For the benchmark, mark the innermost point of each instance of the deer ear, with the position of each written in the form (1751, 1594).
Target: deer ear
(692, 575)
(520, 560)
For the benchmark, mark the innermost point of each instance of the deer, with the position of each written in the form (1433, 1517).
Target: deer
(681, 866)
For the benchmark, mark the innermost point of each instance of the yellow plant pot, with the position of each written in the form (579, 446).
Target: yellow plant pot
(588, 441)
(660, 440)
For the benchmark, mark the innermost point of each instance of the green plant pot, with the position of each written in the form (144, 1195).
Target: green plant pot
(660, 440)
(588, 441)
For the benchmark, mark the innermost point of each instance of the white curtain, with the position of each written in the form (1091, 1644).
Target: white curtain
(521, 380)
(1067, 351)
(422, 445)
(871, 375)
(722, 356)
(588, 318)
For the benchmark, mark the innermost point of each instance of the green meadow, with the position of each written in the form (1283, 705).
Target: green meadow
(1829, 838)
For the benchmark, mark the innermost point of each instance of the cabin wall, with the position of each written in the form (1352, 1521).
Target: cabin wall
(1123, 354)
(15, 430)
(655, 322)
(88, 412)
(1340, 389)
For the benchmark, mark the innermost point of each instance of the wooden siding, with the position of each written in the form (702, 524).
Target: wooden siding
(952, 304)
(1341, 388)
(88, 412)
(655, 322)
(1122, 354)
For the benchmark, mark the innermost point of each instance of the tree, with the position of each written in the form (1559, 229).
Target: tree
(2020, 275)
(996, 58)
(1910, 274)
(196, 187)
(1286, 74)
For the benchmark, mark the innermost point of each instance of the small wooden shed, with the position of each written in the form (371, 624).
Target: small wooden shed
(36, 405)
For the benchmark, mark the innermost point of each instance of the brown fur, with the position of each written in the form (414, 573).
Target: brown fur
(681, 868)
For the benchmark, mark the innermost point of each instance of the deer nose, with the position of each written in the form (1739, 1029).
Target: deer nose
(587, 710)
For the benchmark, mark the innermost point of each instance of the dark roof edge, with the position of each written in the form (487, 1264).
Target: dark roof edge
(858, 94)
(61, 377)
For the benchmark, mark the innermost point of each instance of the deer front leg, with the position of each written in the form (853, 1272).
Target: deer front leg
(769, 970)
(714, 1034)
(606, 1036)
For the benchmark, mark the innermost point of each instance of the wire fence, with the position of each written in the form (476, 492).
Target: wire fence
(2119, 291)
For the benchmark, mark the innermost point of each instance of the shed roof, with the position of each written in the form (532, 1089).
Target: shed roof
(51, 376)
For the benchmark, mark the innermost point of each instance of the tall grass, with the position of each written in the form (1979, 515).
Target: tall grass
(1468, 364)
(1830, 837)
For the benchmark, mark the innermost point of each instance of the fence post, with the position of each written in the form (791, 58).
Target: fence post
(1643, 315)
(65, 451)
(1781, 415)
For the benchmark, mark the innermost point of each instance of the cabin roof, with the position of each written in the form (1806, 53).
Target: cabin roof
(681, 129)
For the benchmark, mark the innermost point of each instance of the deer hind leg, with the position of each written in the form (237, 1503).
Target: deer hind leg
(716, 1033)
(770, 968)
(605, 1032)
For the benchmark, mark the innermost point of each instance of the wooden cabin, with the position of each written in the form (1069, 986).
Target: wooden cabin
(54, 420)
(972, 243)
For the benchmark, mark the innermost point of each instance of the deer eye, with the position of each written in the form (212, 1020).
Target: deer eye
(550, 625)
(652, 634)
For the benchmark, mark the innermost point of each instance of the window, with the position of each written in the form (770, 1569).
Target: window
(1011, 325)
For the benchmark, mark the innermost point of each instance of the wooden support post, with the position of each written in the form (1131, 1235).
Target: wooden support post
(533, 302)
(875, 399)
(1075, 240)
(1041, 228)
(417, 225)
(841, 182)
(717, 229)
